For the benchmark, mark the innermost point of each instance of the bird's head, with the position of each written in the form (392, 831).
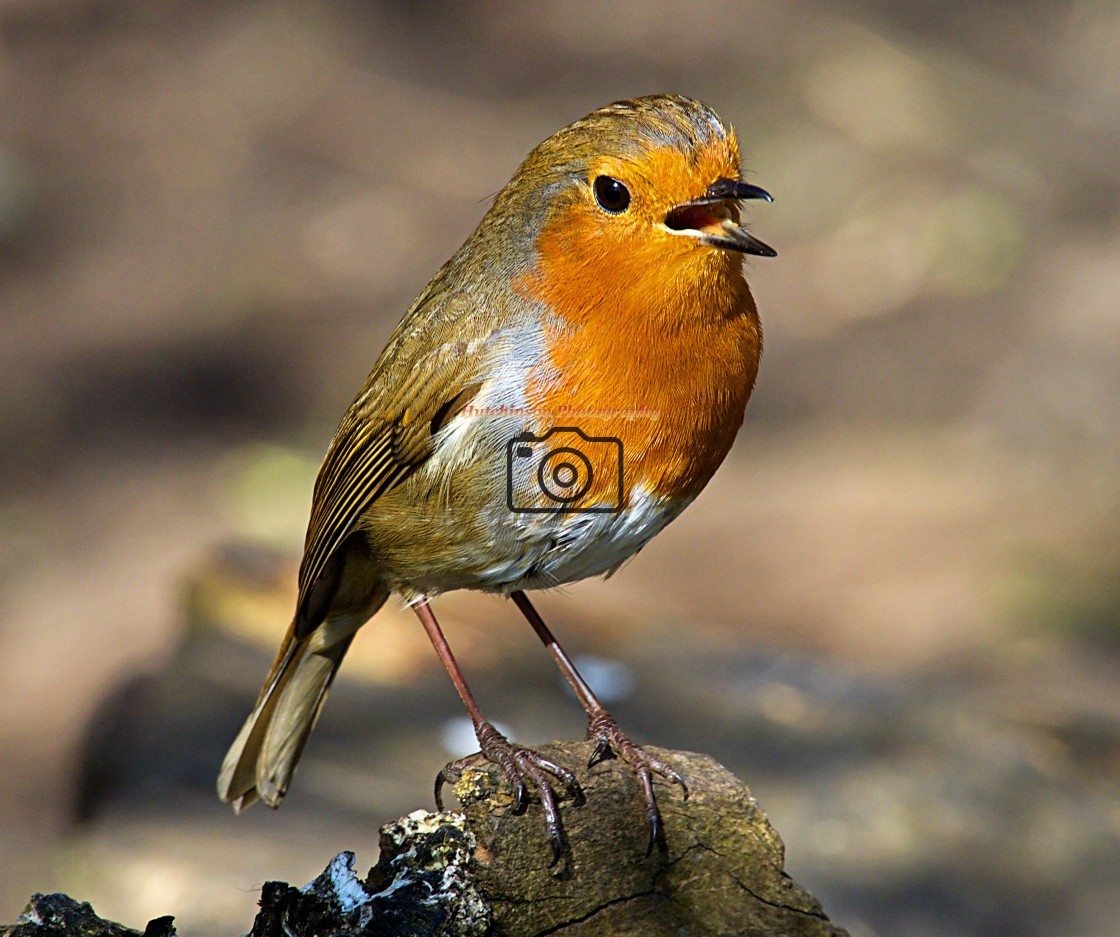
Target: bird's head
(655, 180)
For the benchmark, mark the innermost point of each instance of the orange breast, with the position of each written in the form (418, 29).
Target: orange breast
(653, 341)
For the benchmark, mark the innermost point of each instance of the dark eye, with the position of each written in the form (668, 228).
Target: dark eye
(611, 195)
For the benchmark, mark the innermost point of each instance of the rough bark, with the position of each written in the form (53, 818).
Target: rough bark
(722, 872)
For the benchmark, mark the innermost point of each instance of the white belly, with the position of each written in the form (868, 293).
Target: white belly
(562, 548)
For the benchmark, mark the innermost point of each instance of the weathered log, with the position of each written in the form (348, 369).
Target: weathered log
(722, 872)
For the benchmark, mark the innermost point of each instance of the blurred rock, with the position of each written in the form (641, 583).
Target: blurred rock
(62, 916)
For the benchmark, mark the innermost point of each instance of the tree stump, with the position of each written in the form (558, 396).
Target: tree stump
(722, 872)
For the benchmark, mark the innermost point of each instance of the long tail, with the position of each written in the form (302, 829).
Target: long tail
(263, 757)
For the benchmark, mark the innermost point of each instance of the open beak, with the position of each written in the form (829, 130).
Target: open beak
(714, 218)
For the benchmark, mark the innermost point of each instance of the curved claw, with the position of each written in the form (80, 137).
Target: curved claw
(672, 775)
(520, 798)
(557, 848)
(441, 779)
(603, 752)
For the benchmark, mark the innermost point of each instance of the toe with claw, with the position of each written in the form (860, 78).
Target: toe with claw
(523, 767)
(611, 742)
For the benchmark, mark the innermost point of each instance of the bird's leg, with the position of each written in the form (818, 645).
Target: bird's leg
(604, 731)
(519, 764)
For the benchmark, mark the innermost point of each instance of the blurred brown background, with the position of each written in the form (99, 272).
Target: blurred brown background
(895, 612)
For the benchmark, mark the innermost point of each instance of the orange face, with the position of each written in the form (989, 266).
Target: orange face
(653, 226)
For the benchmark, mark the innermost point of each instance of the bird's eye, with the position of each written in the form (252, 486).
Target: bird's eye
(611, 195)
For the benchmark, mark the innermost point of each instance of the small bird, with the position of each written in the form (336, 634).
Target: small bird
(562, 389)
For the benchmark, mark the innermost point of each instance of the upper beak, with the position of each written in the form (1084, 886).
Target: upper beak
(714, 217)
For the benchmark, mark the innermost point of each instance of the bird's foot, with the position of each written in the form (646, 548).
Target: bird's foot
(523, 767)
(610, 742)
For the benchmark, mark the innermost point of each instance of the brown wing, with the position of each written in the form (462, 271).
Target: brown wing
(424, 373)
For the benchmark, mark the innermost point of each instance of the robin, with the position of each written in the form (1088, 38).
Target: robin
(561, 390)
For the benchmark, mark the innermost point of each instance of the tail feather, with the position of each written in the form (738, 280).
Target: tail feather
(262, 759)
(237, 780)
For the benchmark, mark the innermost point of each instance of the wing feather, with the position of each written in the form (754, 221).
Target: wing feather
(388, 431)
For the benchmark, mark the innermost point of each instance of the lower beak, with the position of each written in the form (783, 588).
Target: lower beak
(736, 238)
